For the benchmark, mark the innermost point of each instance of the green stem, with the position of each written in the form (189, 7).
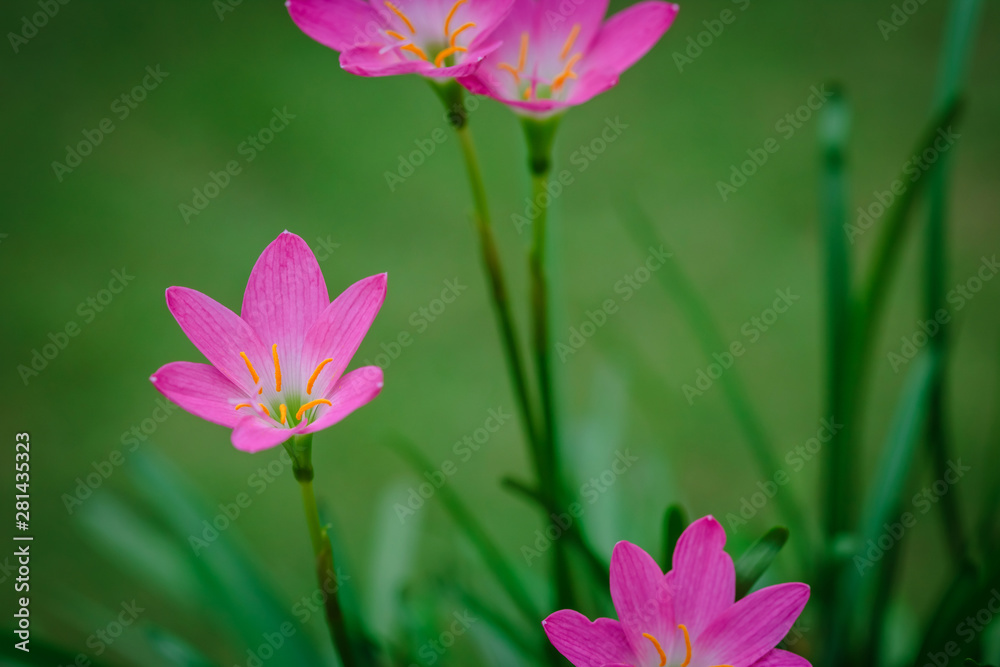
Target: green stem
(300, 450)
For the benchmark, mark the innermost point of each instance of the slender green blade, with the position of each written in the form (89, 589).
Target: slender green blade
(674, 523)
(757, 558)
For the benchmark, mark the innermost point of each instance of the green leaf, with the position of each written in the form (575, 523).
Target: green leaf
(674, 523)
(757, 558)
(393, 559)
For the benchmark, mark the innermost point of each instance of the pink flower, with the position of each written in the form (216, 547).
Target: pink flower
(436, 38)
(557, 54)
(684, 619)
(277, 369)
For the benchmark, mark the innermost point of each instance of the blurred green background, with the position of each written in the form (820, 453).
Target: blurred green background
(323, 177)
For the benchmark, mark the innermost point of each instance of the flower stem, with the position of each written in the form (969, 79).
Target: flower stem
(326, 572)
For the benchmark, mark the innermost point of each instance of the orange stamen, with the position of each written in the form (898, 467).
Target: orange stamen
(260, 390)
(277, 368)
(310, 405)
(569, 42)
(256, 378)
(529, 91)
(416, 50)
(312, 378)
(395, 10)
(523, 56)
(393, 33)
(567, 73)
(264, 408)
(284, 412)
(659, 649)
(243, 405)
(687, 644)
(439, 60)
(451, 15)
(510, 68)
(455, 34)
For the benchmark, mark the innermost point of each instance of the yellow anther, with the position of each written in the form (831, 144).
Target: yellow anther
(659, 649)
(454, 35)
(439, 60)
(395, 10)
(243, 405)
(529, 91)
(260, 390)
(393, 33)
(312, 378)
(277, 368)
(253, 373)
(264, 408)
(310, 405)
(687, 644)
(284, 412)
(567, 73)
(522, 58)
(569, 41)
(416, 50)
(509, 68)
(451, 15)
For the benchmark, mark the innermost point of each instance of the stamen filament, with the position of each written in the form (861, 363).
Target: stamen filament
(277, 368)
(529, 91)
(510, 68)
(462, 27)
(569, 42)
(395, 10)
(659, 649)
(264, 408)
(393, 33)
(253, 373)
(523, 56)
(451, 15)
(310, 405)
(687, 644)
(416, 50)
(284, 412)
(312, 378)
(439, 60)
(243, 405)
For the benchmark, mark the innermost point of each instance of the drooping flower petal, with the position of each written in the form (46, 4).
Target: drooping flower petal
(778, 658)
(749, 629)
(351, 392)
(254, 433)
(587, 644)
(338, 24)
(219, 334)
(703, 578)
(201, 390)
(338, 332)
(643, 602)
(629, 35)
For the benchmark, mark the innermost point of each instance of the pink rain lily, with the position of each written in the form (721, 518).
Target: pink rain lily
(686, 618)
(435, 38)
(277, 369)
(557, 54)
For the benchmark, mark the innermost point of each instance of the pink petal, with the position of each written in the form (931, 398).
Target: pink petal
(354, 390)
(642, 600)
(220, 335)
(488, 15)
(371, 61)
(338, 24)
(201, 390)
(254, 433)
(629, 35)
(779, 658)
(703, 579)
(554, 22)
(591, 84)
(285, 295)
(748, 630)
(587, 644)
(338, 332)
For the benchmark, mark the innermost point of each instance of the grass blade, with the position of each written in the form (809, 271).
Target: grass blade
(757, 558)
(674, 523)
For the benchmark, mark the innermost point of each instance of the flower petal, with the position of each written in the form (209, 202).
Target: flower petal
(703, 579)
(555, 21)
(372, 61)
(354, 390)
(285, 295)
(779, 658)
(748, 630)
(629, 35)
(254, 433)
(339, 24)
(201, 390)
(642, 600)
(220, 335)
(587, 644)
(338, 332)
